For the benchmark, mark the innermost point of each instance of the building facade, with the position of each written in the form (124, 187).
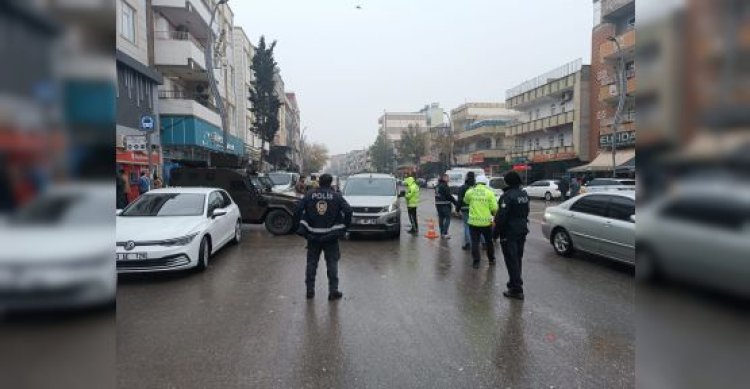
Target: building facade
(613, 19)
(395, 123)
(138, 146)
(553, 132)
(479, 135)
(243, 59)
(191, 125)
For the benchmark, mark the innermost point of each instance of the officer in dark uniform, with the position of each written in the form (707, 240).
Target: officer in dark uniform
(323, 217)
(511, 226)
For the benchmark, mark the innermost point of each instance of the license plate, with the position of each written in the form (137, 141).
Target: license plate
(367, 221)
(131, 256)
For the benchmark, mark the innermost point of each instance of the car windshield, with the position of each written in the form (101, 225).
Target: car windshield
(67, 208)
(166, 204)
(370, 187)
(280, 178)
(455, 176)
(627, 182)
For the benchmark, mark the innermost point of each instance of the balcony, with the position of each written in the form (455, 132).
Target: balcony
(178, 53)
(610, 94)
(542, 124)
(608, 50)
(192, 14)
(175, 103)
(560, 153)
(550, 91)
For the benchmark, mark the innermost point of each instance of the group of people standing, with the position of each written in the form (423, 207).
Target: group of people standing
(145, 184)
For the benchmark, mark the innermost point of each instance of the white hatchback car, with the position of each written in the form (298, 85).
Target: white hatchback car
(597, 223)
(175, 229)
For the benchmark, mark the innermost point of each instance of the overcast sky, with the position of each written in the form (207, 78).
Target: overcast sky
(347, 65)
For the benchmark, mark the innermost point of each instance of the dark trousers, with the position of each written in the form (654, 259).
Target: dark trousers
(332, 254)
(478, 233)
(513, 255)
(413, 219)
(444, 218)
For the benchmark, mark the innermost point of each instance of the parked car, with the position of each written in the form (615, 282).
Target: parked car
(597, 223)
(257, 203)
(57, 251)
(432, 183)
(700, 234)
(375, 204)
(283, 182)
(175, 229)
(545, 189)
(605, 184)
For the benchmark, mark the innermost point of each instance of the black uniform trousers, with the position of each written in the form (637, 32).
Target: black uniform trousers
(476, 234)
(513, 255)
(413, 218)
(332, 255)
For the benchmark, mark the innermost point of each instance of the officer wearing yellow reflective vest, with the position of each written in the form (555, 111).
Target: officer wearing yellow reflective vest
(482, 209)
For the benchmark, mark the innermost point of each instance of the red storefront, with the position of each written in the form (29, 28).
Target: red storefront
(134, 162)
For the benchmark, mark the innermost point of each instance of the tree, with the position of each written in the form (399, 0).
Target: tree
(441, 145)
(314, 157)
(265, 103)
(382, 154)
(413, 145)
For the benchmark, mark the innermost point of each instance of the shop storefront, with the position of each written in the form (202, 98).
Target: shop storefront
(133, 163)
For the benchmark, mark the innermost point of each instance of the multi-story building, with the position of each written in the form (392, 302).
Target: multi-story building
(292, 125)
(137, 93)
(613, 19)
(337, 165)
(191, 126)
(243, 58)
(395, 123)
(357, 161)
(552, 133)
(479, 135)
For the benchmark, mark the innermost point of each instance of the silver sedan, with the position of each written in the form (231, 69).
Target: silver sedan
(597, 223)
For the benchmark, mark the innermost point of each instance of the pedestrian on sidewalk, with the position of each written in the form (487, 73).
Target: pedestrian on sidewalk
(144, 184)
(323, 217)
(412, 201)
(444, 202)
(482, 209)
(512, 226)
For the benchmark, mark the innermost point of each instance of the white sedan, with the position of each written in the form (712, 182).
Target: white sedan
(546, 189)
(175, 229)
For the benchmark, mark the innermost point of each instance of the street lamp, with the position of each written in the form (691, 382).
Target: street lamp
(211, 76)
(621, 90)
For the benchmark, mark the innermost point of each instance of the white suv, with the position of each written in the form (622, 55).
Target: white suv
(374, 202)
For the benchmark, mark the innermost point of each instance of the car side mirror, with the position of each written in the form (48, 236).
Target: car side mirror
(218, 212)
(118, 212)
(632, 218)
(402, 194)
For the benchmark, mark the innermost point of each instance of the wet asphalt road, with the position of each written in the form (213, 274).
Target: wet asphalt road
(414, 315)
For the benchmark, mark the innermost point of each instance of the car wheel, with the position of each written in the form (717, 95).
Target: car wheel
(237, 233)
(562, 243)
(204, 255)
(646, 265)
(548, 196)
(279, 222)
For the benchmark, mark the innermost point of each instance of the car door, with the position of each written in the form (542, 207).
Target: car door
(247, 199)
(618, 231)
(228, 221)
(217, 226)
(533, 189)
(585, 221)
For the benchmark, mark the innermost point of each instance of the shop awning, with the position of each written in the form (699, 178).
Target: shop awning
(624, 159)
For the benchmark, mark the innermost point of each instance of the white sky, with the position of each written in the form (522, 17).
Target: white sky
(347, 66)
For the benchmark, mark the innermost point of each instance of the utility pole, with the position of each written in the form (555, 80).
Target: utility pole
(212, 77)
(621, 91)
(451, 141)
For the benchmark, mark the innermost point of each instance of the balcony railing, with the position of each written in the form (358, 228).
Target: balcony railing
(178, 36)
(543, 123)
(200, 98)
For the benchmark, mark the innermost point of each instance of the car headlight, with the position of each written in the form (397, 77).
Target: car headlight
(181, 241)
(392, 208)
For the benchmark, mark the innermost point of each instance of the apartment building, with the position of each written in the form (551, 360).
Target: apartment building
(613, 19)
(243, 58)
(395, 123)
(137, 93)
(553, 132)
(479, 135)
(191, 125)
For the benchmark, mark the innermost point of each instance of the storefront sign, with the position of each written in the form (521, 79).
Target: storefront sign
(136, 157)
(477, 158)
(623, 139)
(521, 167)
(553, 157)
(135, 143)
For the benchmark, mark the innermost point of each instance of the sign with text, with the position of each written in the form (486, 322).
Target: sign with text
(625, 138)
(553, 157)
(477, 158)
(135, 143)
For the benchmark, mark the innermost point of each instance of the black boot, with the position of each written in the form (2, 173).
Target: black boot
(310, 294)
(335, 295)
(513, 295)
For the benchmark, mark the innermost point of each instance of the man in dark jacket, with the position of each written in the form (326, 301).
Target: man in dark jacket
(444, 202)
(323, 217)
(121, 190)
(469, 183)
(563, 186)
(511, 226)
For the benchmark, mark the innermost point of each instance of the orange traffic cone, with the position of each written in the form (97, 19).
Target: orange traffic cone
(431, 233)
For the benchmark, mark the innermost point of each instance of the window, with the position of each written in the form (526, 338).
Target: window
(529, 144)
(631, 22)
(562, 108)
(561, 140)
(128, 22)
(592, 205)
(536, 143)
(215, 201)
(720, 213)
(621, 208)
(226, 199)
(551, 141)
(554, 108)
(538, 113)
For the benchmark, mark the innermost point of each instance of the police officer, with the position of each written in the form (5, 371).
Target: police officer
(323, 216)
(482, 207)
(511, 226)
(444, 202)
